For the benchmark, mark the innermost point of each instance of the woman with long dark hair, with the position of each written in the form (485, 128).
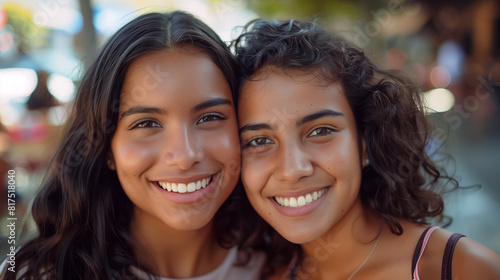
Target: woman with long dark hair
(334, 158)
(139, 186)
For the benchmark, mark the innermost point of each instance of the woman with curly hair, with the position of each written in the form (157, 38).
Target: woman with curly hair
(334, 159)
(142, 184)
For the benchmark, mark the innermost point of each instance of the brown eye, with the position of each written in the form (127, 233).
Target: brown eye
(211, 117)
(321, 131)
(256, 142)
(146, 124)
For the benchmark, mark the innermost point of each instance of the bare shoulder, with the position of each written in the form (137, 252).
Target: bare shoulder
(470, 259)
(473, 260)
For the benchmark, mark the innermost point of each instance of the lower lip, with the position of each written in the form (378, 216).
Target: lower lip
(191, 197)
(299, 211)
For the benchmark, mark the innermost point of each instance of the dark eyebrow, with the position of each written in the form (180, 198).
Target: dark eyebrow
(141, 110)
(211, 103)
(306, 119)
(318, 115)
(152, 110)
(254, 127)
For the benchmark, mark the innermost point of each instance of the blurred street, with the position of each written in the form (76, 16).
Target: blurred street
(476, 212)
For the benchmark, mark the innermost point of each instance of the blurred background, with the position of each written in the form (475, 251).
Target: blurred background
(450, 48)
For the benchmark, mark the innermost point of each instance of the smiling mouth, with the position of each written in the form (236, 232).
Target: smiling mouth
(299, 201)
(185, 188)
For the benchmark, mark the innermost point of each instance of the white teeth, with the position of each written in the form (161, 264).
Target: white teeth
(300, 201)
(185, 188)
(281, 200)
(191, 187)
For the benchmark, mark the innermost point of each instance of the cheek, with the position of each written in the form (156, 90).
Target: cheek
(224, 147)
(253, 182)
(341, 154)
(341, 161)
(253, 174)
(133, 156)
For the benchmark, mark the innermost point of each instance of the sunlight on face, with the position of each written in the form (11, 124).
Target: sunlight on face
(301, 162)
(176, 146)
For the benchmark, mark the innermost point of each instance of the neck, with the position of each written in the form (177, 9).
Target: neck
(343, 249)
(162, 248)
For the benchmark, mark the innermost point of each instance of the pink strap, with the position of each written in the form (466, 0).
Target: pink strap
(424, 244)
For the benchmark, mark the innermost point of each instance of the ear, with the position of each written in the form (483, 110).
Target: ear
(110, 162)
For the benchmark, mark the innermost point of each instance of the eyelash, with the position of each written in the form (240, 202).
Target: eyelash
(250, 145)
(268, 141)
(329, 132)
(141, 124)
(216, 115)
(154, 123)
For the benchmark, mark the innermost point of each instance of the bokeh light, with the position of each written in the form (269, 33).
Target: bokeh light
(62, 88)
(9, 115)
(17, 83)
(6, 41)
(440, 77)
(66, 19)
(439, 100)
(57, 115)
(3, 18)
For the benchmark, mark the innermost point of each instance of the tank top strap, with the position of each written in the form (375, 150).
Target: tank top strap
(419, 251)
(448, 255)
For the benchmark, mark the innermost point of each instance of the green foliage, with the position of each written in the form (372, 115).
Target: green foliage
(307, 9)
(27, 35)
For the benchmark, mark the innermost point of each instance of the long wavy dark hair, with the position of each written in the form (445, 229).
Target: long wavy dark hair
(401, 181)
(81, 211)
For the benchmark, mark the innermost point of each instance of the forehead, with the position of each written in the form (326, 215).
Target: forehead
(185, 66)
(273, 90)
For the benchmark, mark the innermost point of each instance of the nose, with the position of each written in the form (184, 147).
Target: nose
(294, 163)
(182, 149)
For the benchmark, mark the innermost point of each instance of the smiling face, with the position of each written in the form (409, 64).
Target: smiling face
(176, 146)
(301, 162)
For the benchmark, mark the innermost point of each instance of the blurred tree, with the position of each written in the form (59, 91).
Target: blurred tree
(307, 9)
(41, 97)
(88, 33)
(28, 36)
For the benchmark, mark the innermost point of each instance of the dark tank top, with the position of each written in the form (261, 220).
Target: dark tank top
(447, 256)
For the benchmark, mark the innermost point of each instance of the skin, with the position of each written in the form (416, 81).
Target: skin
(298, 136)
(176, 124)
(285, 155)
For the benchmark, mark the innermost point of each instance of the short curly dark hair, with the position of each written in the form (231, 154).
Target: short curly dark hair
(401, 181)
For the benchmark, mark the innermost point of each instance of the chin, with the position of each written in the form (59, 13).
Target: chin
(191, 222)
(299, 237)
